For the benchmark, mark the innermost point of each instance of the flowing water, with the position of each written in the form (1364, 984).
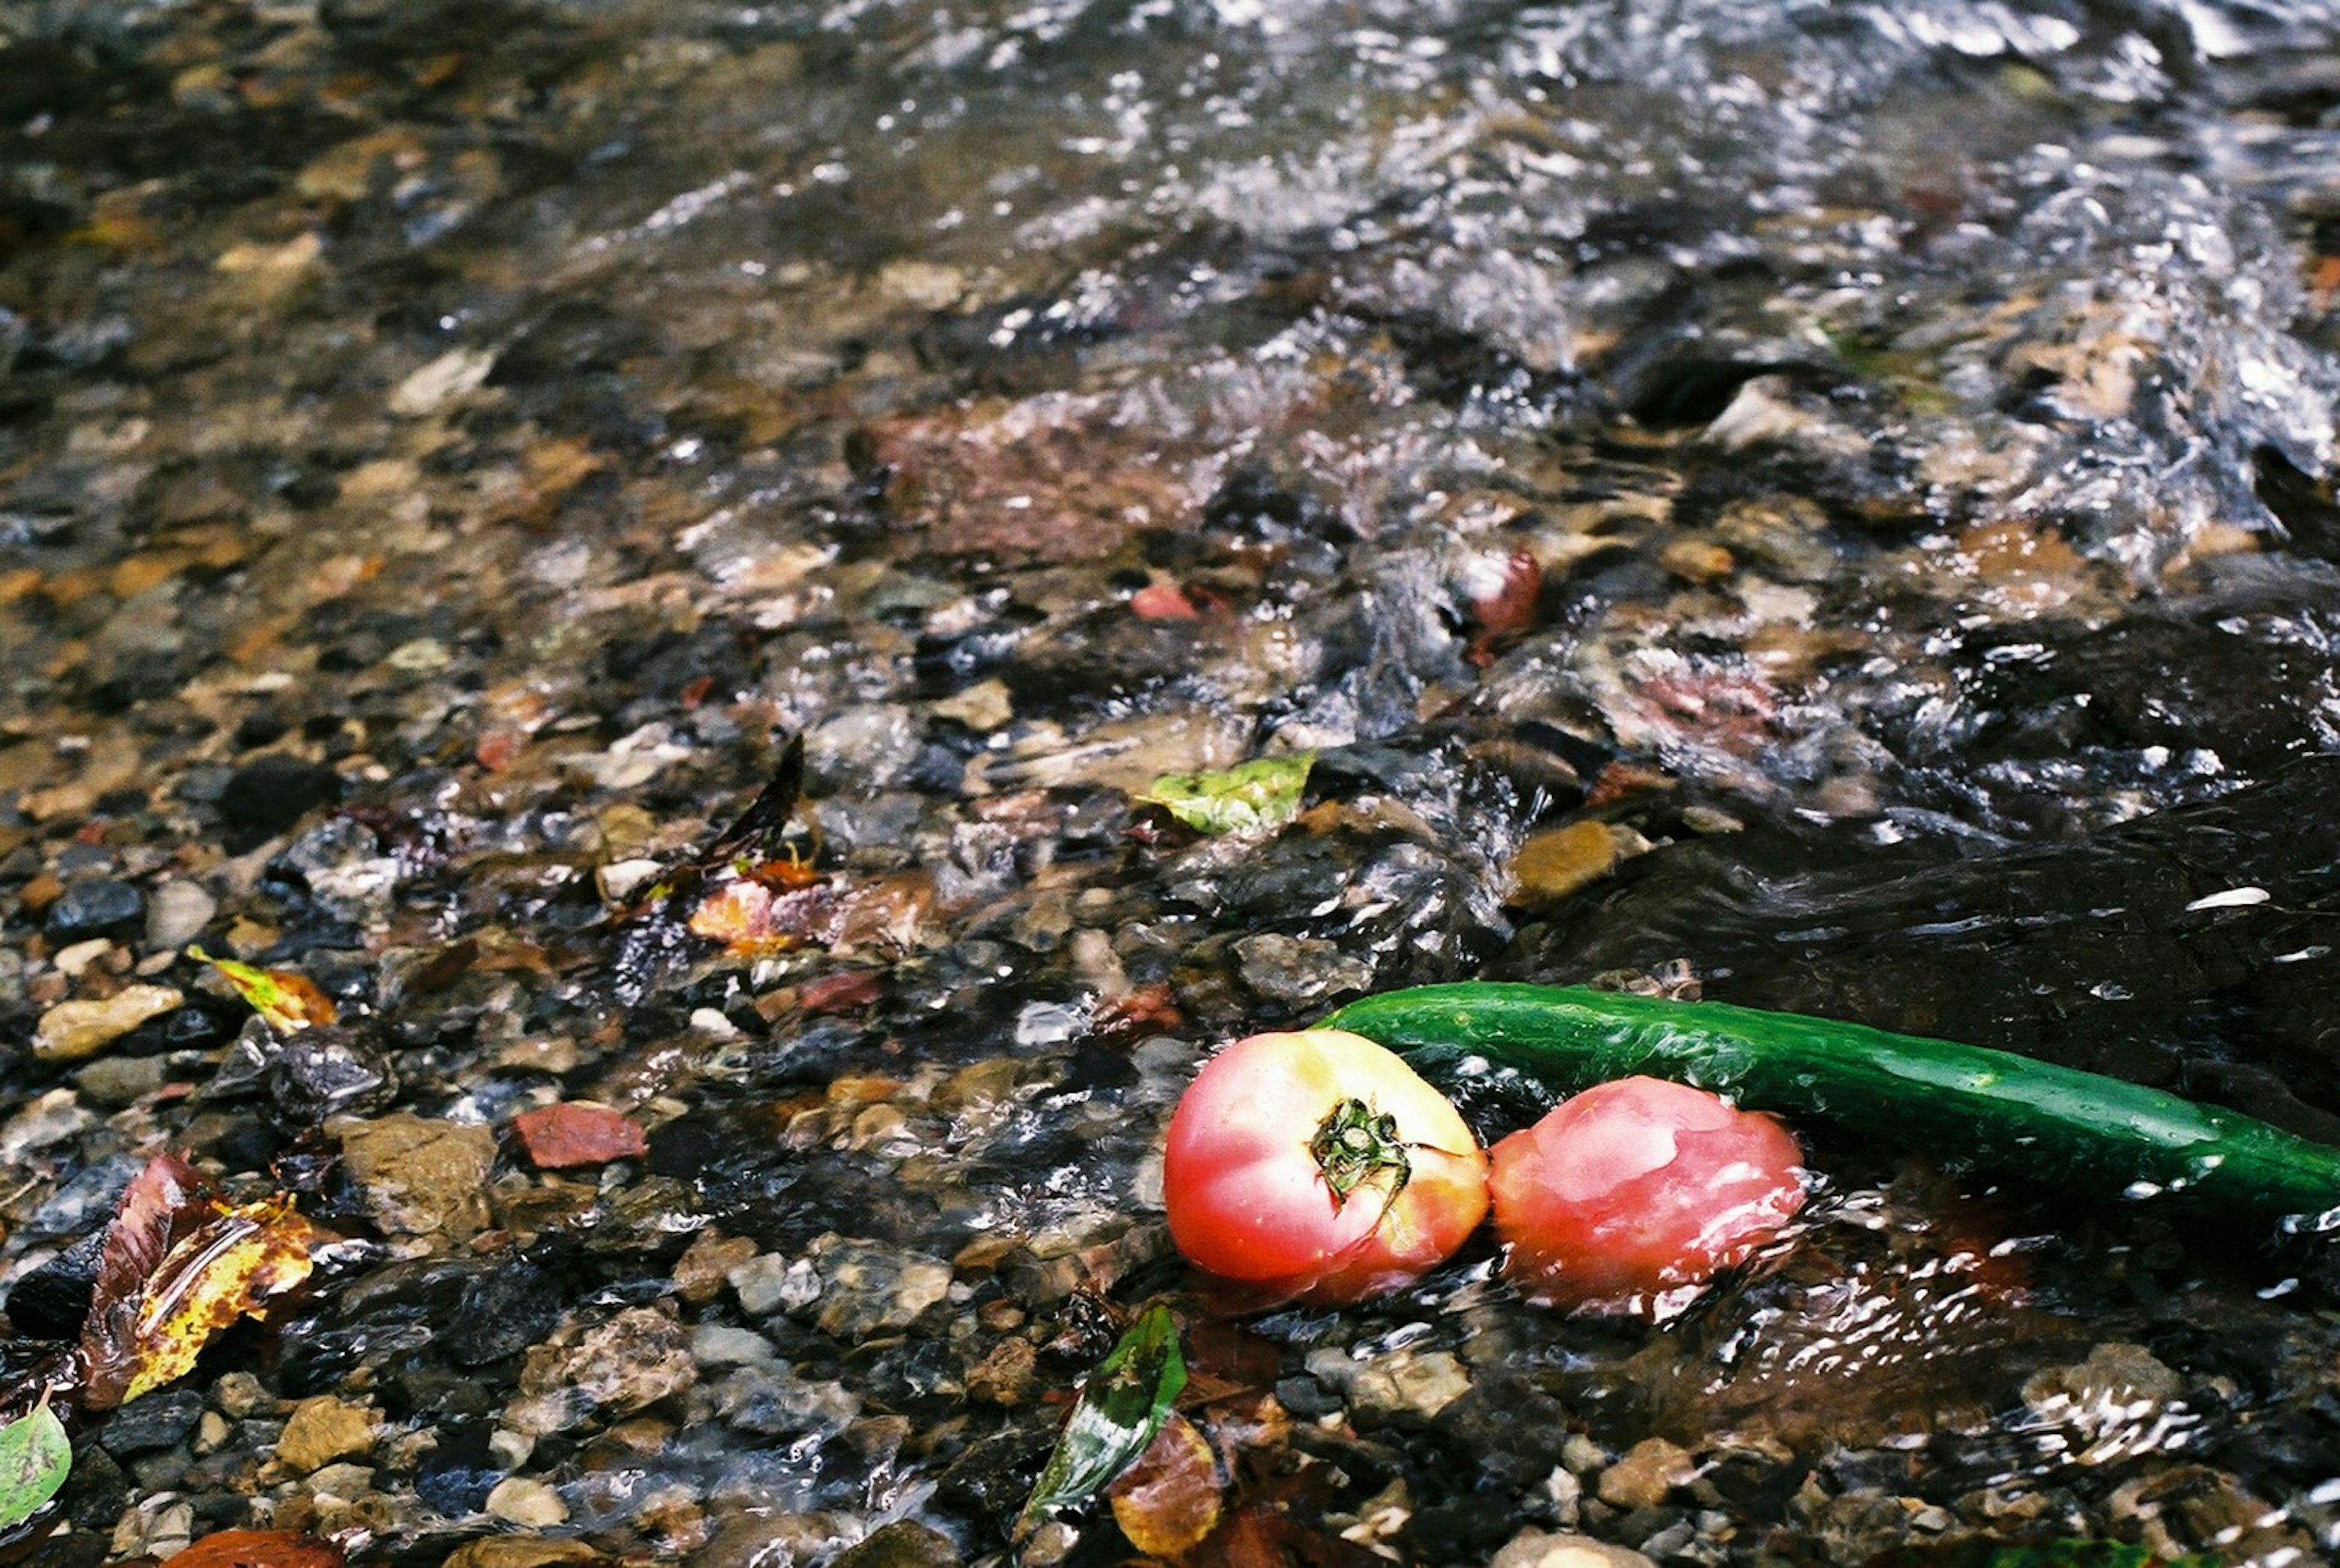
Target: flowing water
(1874, 461)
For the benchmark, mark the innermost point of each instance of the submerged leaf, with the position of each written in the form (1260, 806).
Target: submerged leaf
(1169, 1500)
(179, 1267)
(35, 1456)
(286, 1000)
(1121, 1409)
(226, 1270)
(1245, 799)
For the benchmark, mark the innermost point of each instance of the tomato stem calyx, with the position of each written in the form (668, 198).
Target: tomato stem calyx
(1354, 1147)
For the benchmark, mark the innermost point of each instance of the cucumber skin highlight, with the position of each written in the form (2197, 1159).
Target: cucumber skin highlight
(1967, 1105)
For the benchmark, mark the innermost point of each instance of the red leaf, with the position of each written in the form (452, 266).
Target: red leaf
(1510, 608)
(258, 1549)
(562, 1137)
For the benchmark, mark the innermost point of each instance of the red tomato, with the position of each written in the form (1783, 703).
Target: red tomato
(1317, 1164)
(1633, 1194)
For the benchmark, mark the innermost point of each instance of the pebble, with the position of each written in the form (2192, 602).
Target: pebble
(73, 961)
(699, 1273)
(1298, 970)
(872, 1289)
(158, 1421)
(103, 908)
(325, 1429)
(421, 1175)
(71, 1031)
(178, 913)
(521, 1551)
(723, 1345)
(1551, 866)
(116, 1081)
(517, 1500)
(240, 1393)
(1649, 1470)
(770, 1283)
(904, 1543)
(616, 1368)
(269, 794)
(1565, 1549)
(1403, 1383)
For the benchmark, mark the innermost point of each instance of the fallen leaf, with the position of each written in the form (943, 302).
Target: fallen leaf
(228, 1269)
(179, 1267)
(569, 1135)
(1169, 1499)
(1510, 608)
(258, 1549)
(1250, 797)
(35, 1456)
(1121, 1408)
(287, 1001)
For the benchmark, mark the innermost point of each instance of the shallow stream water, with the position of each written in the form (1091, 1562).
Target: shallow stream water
(1874, 462)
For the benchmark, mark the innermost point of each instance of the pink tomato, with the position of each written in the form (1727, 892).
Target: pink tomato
(1635, 1193)
(1318, 1165)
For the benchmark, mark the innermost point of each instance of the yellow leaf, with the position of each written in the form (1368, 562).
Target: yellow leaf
(226, 1269)
(286, 1000)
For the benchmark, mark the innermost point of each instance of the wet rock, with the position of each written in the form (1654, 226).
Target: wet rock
(156, 1422)
(51, 1301)
(760, 1538)
(1405, 1383)
(517, 1552)
(71, 1031)
(1646, 1474)
(566, 1135)
(1300, 971)
(308, 1076)
(103, 908)
(904, 1543)
(1552, 866)
(421, 1177)
(507, 1309)
(869, 1289)
(115, 1081)
(269, 794)
(616, 1368)
(769, 1283)
(530, 1504)
(322, 1430)
(178, 913)
(714, 1344)
(699, 1273)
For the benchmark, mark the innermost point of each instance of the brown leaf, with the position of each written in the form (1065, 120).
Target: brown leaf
(258, 1549)
(1169, 1499)
(563, 1137)
(180, 1266)
(166, 1202)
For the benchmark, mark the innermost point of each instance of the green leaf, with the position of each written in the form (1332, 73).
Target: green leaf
(1121, 1408)
(1247, 798)
(34, 1457)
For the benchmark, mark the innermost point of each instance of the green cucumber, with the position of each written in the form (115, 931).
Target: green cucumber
(1966, 1105)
